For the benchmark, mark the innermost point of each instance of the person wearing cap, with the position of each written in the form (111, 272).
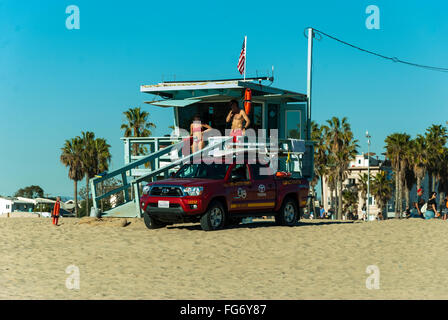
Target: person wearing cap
(419, 204)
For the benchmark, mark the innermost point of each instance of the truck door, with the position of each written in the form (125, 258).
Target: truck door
(238, 186)
(262, 193)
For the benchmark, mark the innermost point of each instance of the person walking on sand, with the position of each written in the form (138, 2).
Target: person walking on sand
(237, 116)
(431, 210)
(197, 134)
(55, 211)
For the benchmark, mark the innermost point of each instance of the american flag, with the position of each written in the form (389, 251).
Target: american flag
(242, 59)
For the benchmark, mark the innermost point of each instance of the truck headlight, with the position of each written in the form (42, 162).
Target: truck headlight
(193, 191)
(146, 189)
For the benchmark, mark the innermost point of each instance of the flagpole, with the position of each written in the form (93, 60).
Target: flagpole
(245, 56)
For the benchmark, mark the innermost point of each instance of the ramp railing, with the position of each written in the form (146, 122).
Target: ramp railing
(125, 174)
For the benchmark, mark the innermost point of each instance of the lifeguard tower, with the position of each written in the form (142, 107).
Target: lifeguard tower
(150, 158)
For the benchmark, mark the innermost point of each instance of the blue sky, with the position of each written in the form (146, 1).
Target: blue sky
(55, 82)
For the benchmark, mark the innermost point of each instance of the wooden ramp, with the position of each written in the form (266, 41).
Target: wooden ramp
(127, 210)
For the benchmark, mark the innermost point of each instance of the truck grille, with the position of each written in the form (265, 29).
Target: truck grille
(166, 191)
(172, 205)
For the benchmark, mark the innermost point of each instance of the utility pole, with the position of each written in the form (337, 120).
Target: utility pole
(309, 80)
(368, 174)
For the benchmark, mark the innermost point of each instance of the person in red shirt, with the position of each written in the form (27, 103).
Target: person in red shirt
(55, 212)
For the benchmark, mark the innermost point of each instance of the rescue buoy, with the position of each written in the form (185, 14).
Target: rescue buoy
(282, 174)
(247, 100)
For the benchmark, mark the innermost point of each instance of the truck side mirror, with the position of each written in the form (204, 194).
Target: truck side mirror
(235, 178)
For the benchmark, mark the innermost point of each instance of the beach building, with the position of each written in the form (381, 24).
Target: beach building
(20, 204)
(357, 167)
(11, 204)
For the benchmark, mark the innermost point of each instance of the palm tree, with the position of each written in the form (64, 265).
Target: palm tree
(436, 137)
(351, 199)
(342, 148)
(381, 190)
(363, 180)
(409, 181)
(419, 158)
(330, 181)
(72, 157)
(320, 156)
(397, 145)
(89, 160)
(137, 125)
(409, 178)
(442, 176)
(103, 157)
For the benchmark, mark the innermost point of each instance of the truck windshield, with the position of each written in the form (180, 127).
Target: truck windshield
(203, 171)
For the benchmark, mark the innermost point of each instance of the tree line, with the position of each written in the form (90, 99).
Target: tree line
(414, 159)
(86, 156)
(410, 159)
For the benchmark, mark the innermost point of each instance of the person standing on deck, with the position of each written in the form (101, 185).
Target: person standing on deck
(236, 116)
(197, 134)
(55, 212)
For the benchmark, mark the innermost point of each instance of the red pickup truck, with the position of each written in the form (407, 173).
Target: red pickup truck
(219, 195)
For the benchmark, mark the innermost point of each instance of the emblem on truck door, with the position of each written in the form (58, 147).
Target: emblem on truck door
(261, 190)
(242, 193)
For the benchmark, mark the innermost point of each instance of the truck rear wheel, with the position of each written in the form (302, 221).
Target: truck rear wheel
(152, 223)
(214, 218)
(288, 215)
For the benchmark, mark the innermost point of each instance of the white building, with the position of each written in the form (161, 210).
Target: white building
(357, 167)
(9, 204)
(19, 204)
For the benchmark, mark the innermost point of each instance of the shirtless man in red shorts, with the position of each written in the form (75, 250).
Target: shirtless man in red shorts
(237, 115)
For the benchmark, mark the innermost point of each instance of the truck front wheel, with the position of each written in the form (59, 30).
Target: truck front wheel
(214, 218)
(152, 223)
(288, 214)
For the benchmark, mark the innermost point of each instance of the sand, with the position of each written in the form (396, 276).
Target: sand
(315, 260)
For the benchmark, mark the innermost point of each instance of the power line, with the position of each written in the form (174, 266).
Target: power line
(393, 59)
